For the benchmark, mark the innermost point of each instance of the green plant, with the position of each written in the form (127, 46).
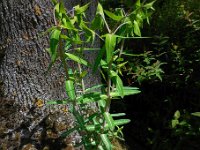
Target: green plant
(98, 127)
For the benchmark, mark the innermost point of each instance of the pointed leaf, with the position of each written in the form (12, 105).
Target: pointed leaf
(98, 59)
(100, 10)
(121, 122)
(76, 59)
(138, 3)
(177, 114)
(130, 90)
(102, 104)
(106, 141)
(137, 28)
(113, 16)
(110, 46)
(97, 22)
(109, 120)
(119, 85)
(67, 24)
(89, 98)
(118, 115)
(94, 88)
(89, 33)
(68, 132)
(174, 123)
(62, 8)
(197, 114)
(127, 91)
(82, 9)
(149, 5)
(70, 89)
(57, 10)
(54, 39)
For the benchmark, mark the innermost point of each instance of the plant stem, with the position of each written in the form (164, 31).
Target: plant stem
(108, 102)
(121, 48)
(107, 27)
(82, 81)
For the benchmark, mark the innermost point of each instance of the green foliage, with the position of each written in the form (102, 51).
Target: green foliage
(97, 129)
(181, 124)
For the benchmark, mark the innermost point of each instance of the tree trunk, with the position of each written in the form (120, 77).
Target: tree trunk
(24, 87)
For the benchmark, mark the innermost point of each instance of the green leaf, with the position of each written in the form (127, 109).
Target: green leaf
(97, 127)
(92, 128)
(118, 115)
(106, 141)
(54, 39)
(76, 59)
(100, 10)
(113, 73)
(130, 90)
(122, 64)
(131, 37)
(83, 74)
(89, 98)
(98, 59)
(121, 122)
(174, 123)
(177, 114)
(138, 4)
(109, 120)
(67, 23)
(110, 46)
(75, 41)
(137, 28)
(127, 91)
(100, 147)
(94, 88)
(92, 118)
(57, 10)
(89, 33)
(80, 10)
(62, 8)
(70, 89)
(197, 114)
(97, 22)
(149, 5)
(113, 16)
(68, 132)
(102, 104)
(119, 86)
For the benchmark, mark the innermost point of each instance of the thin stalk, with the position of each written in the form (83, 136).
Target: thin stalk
(119, 27)
(107, 27)
(121, 48)
(82, 81)
(108, 102)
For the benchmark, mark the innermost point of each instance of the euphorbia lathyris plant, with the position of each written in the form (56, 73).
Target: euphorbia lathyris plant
(99, 127)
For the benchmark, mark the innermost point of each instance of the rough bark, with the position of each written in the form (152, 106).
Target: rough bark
(23, 83)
